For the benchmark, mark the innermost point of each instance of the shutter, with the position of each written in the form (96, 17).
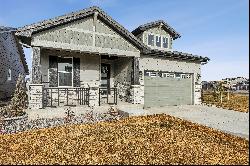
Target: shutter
(76, 70)
(53, 74)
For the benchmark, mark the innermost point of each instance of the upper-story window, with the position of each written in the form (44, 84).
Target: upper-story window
(165, 42)
(158, 41)
(150, 39)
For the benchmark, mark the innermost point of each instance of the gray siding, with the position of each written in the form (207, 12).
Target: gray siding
(87, 36)
(9, 59)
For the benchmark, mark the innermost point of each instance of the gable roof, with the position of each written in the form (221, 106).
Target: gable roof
(165, 26)
(11, 30)
(4, 29)
(27, 31)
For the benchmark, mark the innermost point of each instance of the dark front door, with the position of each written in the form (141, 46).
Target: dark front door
(105, 75)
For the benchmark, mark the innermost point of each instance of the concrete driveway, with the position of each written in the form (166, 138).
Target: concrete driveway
(236, 123)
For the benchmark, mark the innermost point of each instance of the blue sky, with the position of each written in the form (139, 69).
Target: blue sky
(218, 29)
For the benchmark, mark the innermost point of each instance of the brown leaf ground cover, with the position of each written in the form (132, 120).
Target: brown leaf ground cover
(236, 102)
(154, 139)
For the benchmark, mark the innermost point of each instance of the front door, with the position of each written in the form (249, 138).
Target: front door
(105, 76)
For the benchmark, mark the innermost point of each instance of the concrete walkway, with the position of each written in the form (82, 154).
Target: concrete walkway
(233, 122)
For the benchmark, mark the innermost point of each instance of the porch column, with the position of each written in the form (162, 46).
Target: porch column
(136, 71)
(136, 90)
(36, 86)
(36, 77)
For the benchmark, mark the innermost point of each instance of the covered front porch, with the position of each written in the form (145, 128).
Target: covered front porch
(73, 78)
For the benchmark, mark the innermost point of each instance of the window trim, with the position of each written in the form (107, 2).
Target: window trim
(164, 36)
(161, 41)
(153, 39)
(72, 81)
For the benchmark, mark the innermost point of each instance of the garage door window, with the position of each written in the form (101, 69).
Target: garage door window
(177, 75)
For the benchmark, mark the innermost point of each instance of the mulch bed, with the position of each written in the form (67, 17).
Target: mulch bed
(236, 102)
(154, 139)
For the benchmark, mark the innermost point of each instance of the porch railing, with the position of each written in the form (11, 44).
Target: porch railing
(107, 94)
(54, 96)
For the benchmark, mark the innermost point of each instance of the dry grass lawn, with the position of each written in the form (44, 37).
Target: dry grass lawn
(155, 139)
(236, 102)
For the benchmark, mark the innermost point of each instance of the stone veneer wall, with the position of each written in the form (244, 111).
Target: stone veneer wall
(35, 96)
(122, 78)
(9, 59)
(13, 125)
(160, 64)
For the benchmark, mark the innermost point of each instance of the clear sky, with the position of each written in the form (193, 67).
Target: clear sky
(218, 29)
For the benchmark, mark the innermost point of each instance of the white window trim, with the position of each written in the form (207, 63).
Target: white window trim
(156, 34)
(167, 41)
(153, 38)
(72, 85)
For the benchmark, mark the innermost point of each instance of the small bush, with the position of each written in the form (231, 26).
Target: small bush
(18, 102)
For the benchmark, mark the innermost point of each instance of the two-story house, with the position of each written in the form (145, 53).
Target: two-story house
(86, 57)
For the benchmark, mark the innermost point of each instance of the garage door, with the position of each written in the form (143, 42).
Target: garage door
(163, 89)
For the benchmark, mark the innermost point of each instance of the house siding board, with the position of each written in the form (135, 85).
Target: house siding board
(90, 70)
(81, 36)
(160, 64)
(9, 59)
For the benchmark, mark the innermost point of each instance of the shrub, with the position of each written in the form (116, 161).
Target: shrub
(18, 102)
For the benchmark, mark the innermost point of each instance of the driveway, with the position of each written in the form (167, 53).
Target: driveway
(236, 123)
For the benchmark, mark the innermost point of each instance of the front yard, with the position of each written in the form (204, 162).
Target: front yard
(154, 139)
(236, 102)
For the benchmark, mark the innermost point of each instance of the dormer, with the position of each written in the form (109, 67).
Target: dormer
(157, 35)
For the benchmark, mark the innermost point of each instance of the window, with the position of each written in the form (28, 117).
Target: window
(153, 74)
(9, 75)
(151, 40)
(183, 76)
(158, 41)
(172, 75)
(177, 75)
(165, 74)
(65, 71)
(165, 42)
(147, 74)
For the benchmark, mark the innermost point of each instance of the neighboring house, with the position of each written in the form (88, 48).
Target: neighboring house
(237, 83)
(86, 57)
(12, 61)
(233, 84)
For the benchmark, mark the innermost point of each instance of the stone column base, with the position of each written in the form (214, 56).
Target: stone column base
(35, 96)
(93, 96)
(137, 94)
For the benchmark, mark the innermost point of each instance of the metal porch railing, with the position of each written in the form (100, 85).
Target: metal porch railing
(58, 96)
